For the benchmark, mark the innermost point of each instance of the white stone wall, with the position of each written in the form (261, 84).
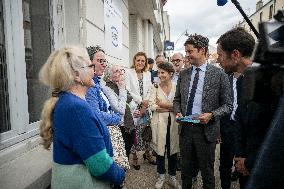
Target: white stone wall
(95, 23)
(95, 33)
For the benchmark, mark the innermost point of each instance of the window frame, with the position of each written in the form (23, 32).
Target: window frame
(271, 11)
(21, 129)
(261, 16)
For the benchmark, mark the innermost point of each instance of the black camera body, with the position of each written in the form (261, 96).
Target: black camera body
(263, 83)
(266, 80)
(270, 49)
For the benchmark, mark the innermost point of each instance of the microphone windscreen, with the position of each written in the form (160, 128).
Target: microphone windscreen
(221, 2)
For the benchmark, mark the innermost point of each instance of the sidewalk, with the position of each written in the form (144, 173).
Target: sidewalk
(146, 177)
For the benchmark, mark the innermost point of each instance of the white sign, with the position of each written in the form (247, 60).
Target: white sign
(113, 30)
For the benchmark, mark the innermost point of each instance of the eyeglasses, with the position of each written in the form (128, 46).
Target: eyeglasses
(121, 71)
(102, 61)
(89, 66)
(176, 60)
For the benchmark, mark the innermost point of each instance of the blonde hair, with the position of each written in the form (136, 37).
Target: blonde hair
(58, 73)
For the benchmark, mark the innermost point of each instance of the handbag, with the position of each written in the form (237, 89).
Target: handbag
(147, 133)
(146, 130)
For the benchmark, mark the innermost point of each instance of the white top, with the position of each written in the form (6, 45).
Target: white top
(132, 85)
(235, 102)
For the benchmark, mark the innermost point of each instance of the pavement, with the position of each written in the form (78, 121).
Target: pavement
(146, 177)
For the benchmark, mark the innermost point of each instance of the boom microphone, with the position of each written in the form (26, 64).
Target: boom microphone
(221, 2)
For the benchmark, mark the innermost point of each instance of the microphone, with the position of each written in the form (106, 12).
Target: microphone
(221, 2)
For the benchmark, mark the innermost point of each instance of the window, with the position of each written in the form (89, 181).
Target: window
(4, 105)
(260, 17)
(37, 41)
(270, 11)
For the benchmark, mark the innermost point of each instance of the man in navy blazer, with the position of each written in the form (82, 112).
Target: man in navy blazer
(203, 90)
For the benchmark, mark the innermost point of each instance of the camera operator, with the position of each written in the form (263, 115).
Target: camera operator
(268, 171)
(234, 49)
(269, 167)
(261, 89)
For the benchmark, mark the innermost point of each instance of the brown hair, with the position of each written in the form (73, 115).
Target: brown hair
(167, 67)
(146, 61)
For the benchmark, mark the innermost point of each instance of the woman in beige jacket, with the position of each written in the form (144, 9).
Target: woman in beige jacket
(164, 127)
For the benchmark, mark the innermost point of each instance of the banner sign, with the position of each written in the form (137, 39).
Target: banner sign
(113, 29)
(169, 46)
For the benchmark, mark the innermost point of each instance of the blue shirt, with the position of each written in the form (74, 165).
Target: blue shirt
(97, 101)
(197, 103)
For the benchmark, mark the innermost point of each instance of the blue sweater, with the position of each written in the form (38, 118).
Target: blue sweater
(99, 105)
(81, 138)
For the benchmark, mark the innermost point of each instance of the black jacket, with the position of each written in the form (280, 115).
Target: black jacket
(258, 102)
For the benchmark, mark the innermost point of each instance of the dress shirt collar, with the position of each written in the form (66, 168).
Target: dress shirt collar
(97, 79)
(202, 67)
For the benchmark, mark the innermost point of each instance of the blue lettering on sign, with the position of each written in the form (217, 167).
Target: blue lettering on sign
(114, 36)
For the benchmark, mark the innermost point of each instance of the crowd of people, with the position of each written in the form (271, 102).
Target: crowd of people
(100, 115)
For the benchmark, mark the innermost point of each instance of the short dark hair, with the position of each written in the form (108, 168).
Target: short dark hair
(92, 50)
(237, 39)
(159, 55)
(150, 61)
(167, 67)
(198, 41)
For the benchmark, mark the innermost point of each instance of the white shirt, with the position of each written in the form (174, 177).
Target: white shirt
(197, 102)
(235, 102)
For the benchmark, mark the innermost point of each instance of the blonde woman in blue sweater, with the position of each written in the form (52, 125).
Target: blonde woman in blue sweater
(82, 150)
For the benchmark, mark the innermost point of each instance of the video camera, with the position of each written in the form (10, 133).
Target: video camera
(270, 49)
(264, 83)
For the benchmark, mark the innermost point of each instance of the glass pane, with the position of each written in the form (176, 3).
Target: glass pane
(4, 105)
(36, 23)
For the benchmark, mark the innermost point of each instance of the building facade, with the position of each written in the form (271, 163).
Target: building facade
(263, 13)
(30, 31)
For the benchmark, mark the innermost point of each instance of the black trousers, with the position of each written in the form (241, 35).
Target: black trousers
(193, 145)
(128, 140)
(227, 152)
(172, 159)
(243, 181)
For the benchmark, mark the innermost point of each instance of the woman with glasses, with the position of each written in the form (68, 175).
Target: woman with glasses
(82, 150)
(138, 83)
(121, 102)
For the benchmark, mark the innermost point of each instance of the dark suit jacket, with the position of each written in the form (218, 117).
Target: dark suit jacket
(216, 97)
(259, 98)
(227, 126)
(268, 171)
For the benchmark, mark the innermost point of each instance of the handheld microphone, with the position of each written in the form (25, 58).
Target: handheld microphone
(221, 2)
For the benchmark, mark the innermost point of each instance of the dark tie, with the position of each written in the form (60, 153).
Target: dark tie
(192, 92)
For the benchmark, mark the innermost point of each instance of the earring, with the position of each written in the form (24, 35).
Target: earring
(82, 83)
